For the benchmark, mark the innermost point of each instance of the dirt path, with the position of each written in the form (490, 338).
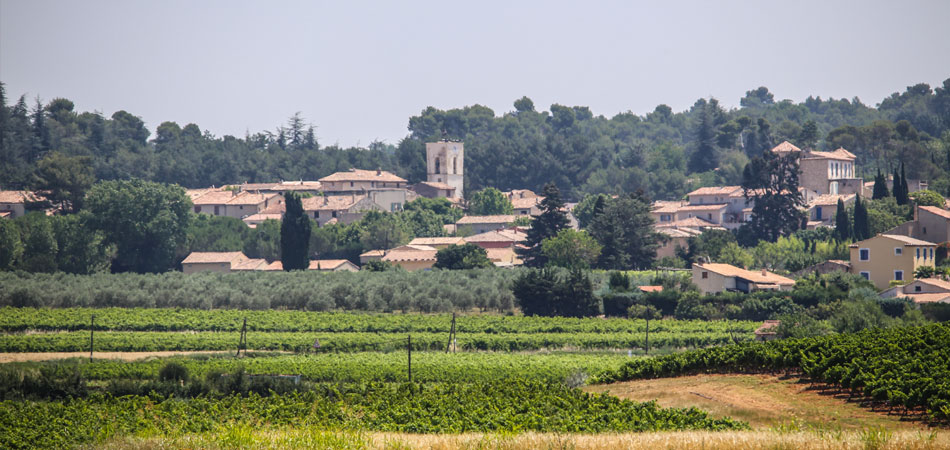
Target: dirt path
(765, 401)
(125, 356)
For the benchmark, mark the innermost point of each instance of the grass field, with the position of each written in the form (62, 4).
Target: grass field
(689, 440)
(765, 401)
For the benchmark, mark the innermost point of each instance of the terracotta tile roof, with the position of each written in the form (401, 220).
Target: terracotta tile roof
(247, 198)
(195, 193)
(274, 266)
(678, 232)
(410, 255)
(729, 270)
(18, 197)
(937, 211)
(830, 200)
(486, 219)
(331, 202)
(363, 175)
(785, 147)
(839, 154)
(213, 197)
(370, 253)
(520, 193)
(928, 298)
(251, 264)
(326, 264)
(718, 190)
(214, 257)
(936, 282)
(907, 240)
(650, 288)
(297, 186)
(525, 203)
(498, 236)
(666, 207)
(253, 186)
(709, 207)
(506, 254)
(260, 217)
(692, 222)
(437, 241)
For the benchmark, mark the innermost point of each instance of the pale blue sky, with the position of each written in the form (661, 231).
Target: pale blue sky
(358, 70)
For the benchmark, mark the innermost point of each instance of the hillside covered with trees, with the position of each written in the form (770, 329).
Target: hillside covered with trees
(664, 153)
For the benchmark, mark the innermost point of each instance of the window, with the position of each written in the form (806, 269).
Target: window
(455, 165)
(931, 254)
(216, 210)
(916, 288)
(710, 216)
(866, 275)
(898, 251)
(818, 213)
(197, 209)
(899, 275)
(918, 253)
(438, 166)
(865, 254)
(316, 214)
(334, 214)
(925, 230)
(351, 184)
(705, 275)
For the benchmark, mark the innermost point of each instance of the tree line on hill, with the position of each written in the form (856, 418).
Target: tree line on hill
(662, 153)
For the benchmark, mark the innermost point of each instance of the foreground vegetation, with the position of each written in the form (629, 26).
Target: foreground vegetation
(904, 368)
(512, 406)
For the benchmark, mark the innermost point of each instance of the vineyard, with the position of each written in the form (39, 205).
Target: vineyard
(903, 368)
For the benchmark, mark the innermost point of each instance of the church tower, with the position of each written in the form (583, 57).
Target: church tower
(445, 164)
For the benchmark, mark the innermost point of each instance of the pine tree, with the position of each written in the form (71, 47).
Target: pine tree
(842, 223)
(40, 132)
(862, 227)
(294, 235)
(546, 225)
(705, 158)
(880, 186)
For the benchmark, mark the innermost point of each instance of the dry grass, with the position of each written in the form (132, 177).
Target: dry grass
(765, 401)
(743, 440)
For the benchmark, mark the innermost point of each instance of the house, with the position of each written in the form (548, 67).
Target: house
(252, 265)
(675, 237)
(933, 224)
(924, 290)
(372, 255)
(503, 238)
(13, 203)
(890, 257)
(343, 208)
(524, 202)
(768, 331)
(738, 209)
(482, 224)
(212, 262)
(713, 277)
(390, 199)
(281, 187)
(232, 203)
(821, 210)
(665, 211)
(412, 257)
(356, 180)
(503, 257)
(696, 223)
(824, 172)
(433, 189)
(438, 243)
(830, 266)
(714, 214)
(333, 265)
(273, 212)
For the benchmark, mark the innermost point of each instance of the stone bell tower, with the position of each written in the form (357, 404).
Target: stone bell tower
(445, 164)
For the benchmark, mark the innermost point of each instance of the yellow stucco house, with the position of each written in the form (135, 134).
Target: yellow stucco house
(890, 257)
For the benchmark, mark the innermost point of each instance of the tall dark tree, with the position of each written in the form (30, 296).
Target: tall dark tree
(705, 157)
(862, 226)
(905, 193)
(842, 223)
(771, 180)
(65, 179)
(880, 186)
(294, 235)
(40, 132)
(896, 187)
(625, 230)
(545, 225)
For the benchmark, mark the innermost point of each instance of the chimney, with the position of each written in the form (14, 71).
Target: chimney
(326, 200)
(379, 172)
(764, 273)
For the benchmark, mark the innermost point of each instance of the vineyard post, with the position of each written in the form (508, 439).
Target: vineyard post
(452, 339)
(409, 349)
(92, 328)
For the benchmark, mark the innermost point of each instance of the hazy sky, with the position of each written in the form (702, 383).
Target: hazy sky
(359, 70)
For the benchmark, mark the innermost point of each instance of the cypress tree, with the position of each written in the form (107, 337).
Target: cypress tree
(862, 227)
(294, 235)
(880, 186)
(842, 223)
